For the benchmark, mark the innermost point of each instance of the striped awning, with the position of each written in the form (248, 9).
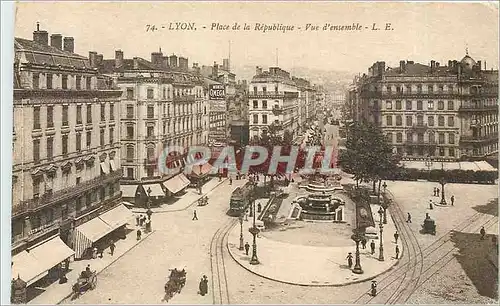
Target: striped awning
(156, 190)
(177, 183)
(88, 233)
(117, 216)
(128, 191)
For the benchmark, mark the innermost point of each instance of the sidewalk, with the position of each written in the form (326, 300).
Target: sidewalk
(57, 293)
(310, 265)
(187, 199)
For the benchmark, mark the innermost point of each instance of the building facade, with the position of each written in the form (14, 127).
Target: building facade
(162, 105)
(239, 128)
(66, 147)
(431, 111)
(273, 100)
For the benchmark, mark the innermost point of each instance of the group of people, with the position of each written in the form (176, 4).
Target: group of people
(372, 247)
(436, 194)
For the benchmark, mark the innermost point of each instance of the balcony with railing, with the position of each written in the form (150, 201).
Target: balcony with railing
(419, 127)
(51, 198)
(478, 107)
(479, 138)
(185, 98)
(427, 143)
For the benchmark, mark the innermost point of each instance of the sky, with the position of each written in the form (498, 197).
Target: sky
(419, 31)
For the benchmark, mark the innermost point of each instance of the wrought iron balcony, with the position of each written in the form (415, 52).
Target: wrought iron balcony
(419, 127)
(51, 198)
(475, 139)
(186, 98)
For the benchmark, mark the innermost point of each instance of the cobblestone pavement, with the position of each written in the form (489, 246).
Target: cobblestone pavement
(139, 276)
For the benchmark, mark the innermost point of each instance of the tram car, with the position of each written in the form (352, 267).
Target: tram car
(240, 199)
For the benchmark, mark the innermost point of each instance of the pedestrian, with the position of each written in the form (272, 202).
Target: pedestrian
(408, 218)
(349, 260)
(434, 192)
(452, 199)
(230, 180)
(437, 192)
(195, 217)
(141, 220)
(137, 220)
(430, 204)
(205, 282)
(397, 251)
(364, 242)
(396, 236)
(372, 246)
(259, 207)
(202, 287)
(139, 234)
(374, 288)
(247, 248)
(112, 247)
(482, 232)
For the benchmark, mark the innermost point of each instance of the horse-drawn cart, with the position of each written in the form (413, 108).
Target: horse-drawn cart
(175, 283)
(429, 226)
(86, 281)
(203, 201)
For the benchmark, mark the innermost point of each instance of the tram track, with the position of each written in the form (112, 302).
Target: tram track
(407, 286)
(220, 290)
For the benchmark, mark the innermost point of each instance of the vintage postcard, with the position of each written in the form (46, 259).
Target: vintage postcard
(254, 153)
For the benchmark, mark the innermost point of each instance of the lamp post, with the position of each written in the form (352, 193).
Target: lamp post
(381, 249)
(241, 233)
(357, 264)
(254, 231)
(442, 181)
(385, 205)
(149, 212)
(385, 186)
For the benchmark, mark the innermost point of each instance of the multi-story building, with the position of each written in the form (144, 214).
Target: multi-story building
(306, 99)
(239, 120)
(273, 100)
(66, 152)
(431, 111)
(217, 113)
(162, 105)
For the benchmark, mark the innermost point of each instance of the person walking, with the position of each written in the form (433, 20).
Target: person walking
(349, 260)
(430, 204)
(195, 217)
(452, 199)
(139, 234)
(205, 282)
(396, 236)
(374, 288)
(397, 251)
(112, 247)
(137, 220)
(363, 243)
(434, 192)
(437, 192)
(202, 287)
(482, 232)
(408, 218)
(247, 248)
(372, 246)
(230, 180)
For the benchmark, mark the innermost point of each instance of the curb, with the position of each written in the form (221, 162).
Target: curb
(309, 285)
(185, 208)
(112, 262)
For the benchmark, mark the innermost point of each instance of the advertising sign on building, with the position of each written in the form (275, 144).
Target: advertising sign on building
(218, 106)
(216, 92)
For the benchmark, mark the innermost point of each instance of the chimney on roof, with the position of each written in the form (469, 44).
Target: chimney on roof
(225, 64)
(99, 58)
(402, 66)
(173, 60)
(118, 58)
(69, 44)
(183, 63)
(56, 41)
(41, 37)
(93, 59)
(136, 63)
(433, 64)
(215, 71)
(156, 58)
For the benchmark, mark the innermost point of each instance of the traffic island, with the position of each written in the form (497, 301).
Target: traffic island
(308, 265)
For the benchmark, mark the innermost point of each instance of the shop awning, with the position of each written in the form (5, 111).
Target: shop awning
(156, 190)
(128, 191)
(177, 183)
(117, 216)
(112, 165)
(33, 265)
(200, 171)
(105, 167)
(88, 233)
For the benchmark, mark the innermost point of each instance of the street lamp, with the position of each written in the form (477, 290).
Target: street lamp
(385, 186)
(381, 249)
(357, 237)
(149, 212)
(442, 181)
(385, 205)
(241, 233)
(254, 231)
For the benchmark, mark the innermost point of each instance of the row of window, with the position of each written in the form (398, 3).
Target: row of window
(151, 152)
(264, 89)
(166, 93)
(183, 109)
(409, 88)
(420, 120)
(409, 105)
(256, 119)
(431, 138)
(419, 151)
(64, 143)
(65, 115)
(255, 104)
(61, 81)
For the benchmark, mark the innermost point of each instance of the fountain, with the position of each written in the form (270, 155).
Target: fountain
(322, 207)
